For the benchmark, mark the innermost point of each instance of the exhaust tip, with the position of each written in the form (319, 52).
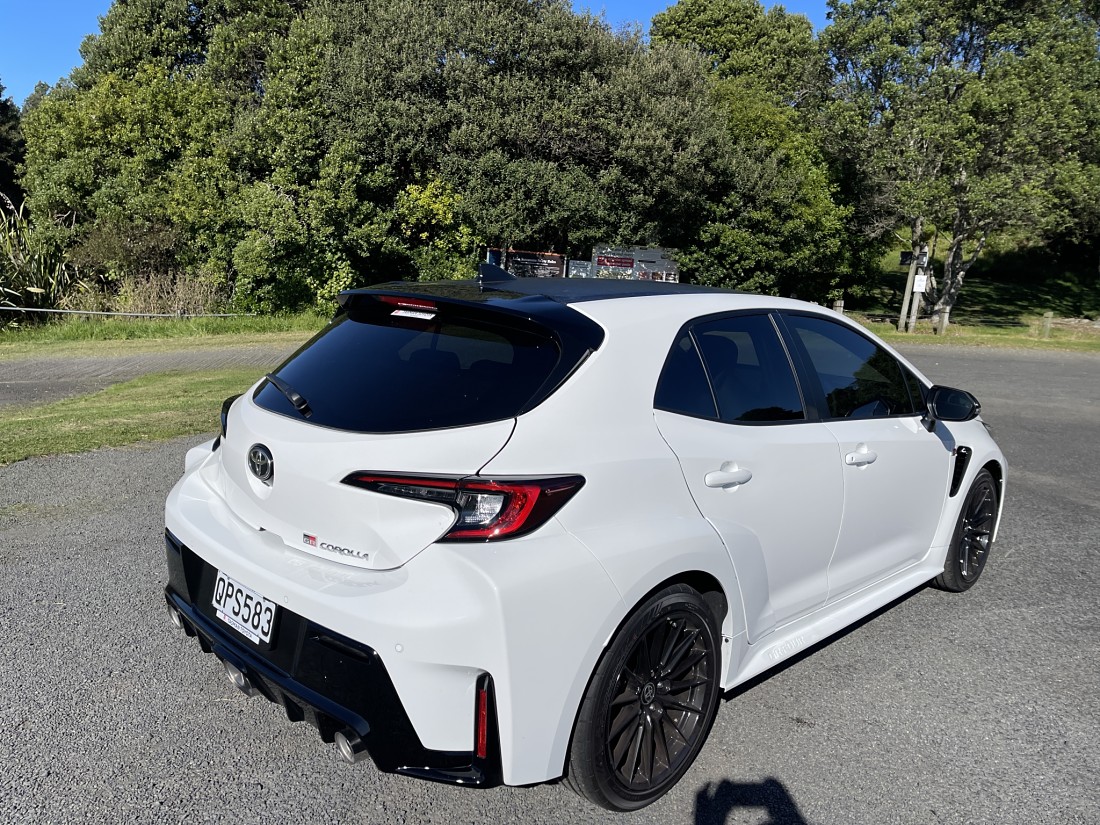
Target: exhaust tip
(239, 680)
(175, 617)
(351, 745)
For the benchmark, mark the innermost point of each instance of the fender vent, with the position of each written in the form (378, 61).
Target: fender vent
(962, 461)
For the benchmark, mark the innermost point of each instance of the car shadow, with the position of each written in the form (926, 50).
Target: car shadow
(716, 801)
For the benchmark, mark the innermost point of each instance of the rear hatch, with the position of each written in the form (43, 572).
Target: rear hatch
(399, 384)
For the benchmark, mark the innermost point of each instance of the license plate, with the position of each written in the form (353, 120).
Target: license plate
(243, 609)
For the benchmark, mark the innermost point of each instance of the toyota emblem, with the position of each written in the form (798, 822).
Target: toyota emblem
(261, 463)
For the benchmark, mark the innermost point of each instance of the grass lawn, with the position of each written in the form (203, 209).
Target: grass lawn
(122, 336)
(150, 408)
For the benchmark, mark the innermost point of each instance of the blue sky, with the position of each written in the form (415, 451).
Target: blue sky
(40, 39)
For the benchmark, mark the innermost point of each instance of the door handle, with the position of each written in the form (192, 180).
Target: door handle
(861, 456)
(730, 475)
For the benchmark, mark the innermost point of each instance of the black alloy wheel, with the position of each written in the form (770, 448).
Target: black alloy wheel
(650, 705)
(973, 537)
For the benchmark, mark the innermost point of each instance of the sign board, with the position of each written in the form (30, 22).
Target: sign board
(641, 262)
(578, 269)
(920, 283)
(534, 264)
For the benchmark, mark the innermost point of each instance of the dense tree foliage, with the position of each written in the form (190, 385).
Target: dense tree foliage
(286, 151)
(11, 149)
(268, 153)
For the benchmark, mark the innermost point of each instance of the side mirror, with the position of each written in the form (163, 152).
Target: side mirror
(949, 404)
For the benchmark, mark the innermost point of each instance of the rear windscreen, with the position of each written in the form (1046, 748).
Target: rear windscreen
(379, 369)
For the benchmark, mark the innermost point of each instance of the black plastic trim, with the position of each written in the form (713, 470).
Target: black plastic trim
(335, 683)
(962, 461)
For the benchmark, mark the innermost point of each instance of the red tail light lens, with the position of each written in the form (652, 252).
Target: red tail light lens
(485, 510)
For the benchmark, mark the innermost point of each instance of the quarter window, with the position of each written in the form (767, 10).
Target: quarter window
(684, 387)
(859, 378)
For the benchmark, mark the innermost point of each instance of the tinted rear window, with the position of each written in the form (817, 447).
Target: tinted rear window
(378, 370)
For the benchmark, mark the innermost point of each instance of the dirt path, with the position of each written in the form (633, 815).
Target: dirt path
(26, 381)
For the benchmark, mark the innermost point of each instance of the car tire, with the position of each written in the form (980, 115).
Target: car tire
(650, 703)
(973, 536)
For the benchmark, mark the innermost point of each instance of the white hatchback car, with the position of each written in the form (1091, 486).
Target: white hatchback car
(502, 531)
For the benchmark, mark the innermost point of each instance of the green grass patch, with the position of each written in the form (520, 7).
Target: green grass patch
(1026, 335)
(150, 408)
(114, 336)
(1003, 287)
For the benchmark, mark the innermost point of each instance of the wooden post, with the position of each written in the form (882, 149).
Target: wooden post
(838, 305)
(908, 294)
(1047, 318)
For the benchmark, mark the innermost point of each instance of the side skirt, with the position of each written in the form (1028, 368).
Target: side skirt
(786, 641)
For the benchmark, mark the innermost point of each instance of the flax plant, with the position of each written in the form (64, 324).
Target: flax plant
(33, 273)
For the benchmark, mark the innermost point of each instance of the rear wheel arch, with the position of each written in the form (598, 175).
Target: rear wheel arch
(700, 581)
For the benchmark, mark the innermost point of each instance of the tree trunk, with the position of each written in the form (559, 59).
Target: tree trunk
(954, 270)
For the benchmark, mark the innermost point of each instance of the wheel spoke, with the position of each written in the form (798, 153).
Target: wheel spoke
(686, 666)
(676, 727)
(661, 742)
(628, 695)
(624, 720)
(673, 629)
(633, 752)
(683, 707)
(679, 652)
(680, 687)
(646, 756)
(633, 680)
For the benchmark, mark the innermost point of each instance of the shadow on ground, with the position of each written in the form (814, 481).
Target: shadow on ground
(715, 802)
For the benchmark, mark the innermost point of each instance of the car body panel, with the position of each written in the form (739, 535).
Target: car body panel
(891, 505)
(781, 526)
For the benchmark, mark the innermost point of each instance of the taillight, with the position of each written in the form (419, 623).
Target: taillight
(485, 509)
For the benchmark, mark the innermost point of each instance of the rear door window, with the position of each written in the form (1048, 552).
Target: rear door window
(745, 372)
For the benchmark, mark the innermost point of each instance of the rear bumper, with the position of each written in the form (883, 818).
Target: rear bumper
(337, 684)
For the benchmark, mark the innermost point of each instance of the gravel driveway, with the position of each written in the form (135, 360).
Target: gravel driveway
(975, 708)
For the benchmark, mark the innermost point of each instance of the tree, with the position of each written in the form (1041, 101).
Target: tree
(776, 225)
(12, 149)
(141, 149)
(552, 132)
(778, 228)
(965, 113)
(768, 50)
